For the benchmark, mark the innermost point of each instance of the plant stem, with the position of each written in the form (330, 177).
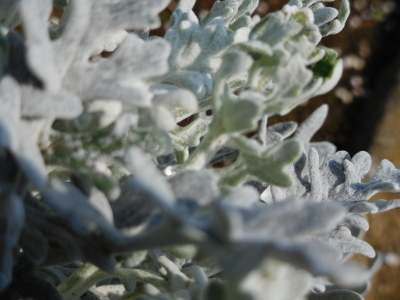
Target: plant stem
(214, 139)
(81, 281)
(181, 156)
(88, 275)
(232, 175)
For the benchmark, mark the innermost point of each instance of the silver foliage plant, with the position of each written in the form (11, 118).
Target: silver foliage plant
(102, 193)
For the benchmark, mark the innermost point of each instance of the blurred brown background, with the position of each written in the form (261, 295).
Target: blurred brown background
(364, 107)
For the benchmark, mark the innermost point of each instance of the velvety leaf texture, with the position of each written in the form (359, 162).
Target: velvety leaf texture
(135, 166)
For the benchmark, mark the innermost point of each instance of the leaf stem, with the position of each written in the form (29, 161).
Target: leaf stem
(213, 140)
(232, 175)
(81, 281)
(88, 275)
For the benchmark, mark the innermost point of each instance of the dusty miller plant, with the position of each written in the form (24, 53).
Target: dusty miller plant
(104, 196)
